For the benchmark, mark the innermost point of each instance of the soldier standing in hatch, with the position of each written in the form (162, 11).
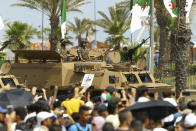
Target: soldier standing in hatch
(63, 51)
(83, 51)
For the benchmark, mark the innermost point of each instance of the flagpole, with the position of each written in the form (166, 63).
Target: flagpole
(151, 62)
(42, 28)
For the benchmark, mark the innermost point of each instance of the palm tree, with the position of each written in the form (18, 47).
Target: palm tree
(47, 32)
(81, 27)
(115, 25)
(19, 35)
(181, 46)
(171, 29)
(52, 8)
(162, 21)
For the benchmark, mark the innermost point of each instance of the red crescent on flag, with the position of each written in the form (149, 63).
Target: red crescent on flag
(187, 4)
(173, 5)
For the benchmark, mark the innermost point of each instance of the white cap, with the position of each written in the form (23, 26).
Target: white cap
(31, 115)
(90, 105)
(65, 115)
(169, 118)
(43, 116)
(190, 120)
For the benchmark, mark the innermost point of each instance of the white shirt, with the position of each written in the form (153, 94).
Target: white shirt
(159, 129)
(143, 99)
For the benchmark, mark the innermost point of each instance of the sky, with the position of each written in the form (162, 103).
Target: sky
(34, 18)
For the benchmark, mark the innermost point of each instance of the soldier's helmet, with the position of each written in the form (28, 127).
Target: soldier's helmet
(82, 42)
(63, 42)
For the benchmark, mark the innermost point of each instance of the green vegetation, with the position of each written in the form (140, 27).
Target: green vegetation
(116, 25)
(19, 35)
(140, 53)
(52, 8)
(84, 26)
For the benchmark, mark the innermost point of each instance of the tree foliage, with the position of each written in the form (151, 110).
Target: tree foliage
(140, 53)
(52, 8)
(80, 27)
(19, 35)
(116, 24)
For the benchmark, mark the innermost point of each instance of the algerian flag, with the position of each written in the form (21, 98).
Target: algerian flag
(170, 5)
(140, 12)
(188, 9)
(63, 19)
(1, 23)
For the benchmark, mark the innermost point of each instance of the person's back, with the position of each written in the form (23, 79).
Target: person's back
(72, 105)
(98, 122)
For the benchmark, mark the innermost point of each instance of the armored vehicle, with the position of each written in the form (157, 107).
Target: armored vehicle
(45, 68)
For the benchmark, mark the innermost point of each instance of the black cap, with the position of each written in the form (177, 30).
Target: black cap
(69, 92)
(83, 41)
(110, 89)
(63, 42)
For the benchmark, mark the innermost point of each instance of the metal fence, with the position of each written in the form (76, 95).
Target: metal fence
(166, 74)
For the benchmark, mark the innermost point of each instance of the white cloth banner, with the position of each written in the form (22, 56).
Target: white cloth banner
(139, 15)
(1, 23)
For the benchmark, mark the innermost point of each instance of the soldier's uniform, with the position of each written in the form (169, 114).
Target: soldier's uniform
(63, 53)
(84, 52)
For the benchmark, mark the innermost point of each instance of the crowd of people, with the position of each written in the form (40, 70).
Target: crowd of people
(87, 110)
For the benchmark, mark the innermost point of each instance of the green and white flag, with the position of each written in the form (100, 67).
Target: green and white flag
(170, 5)
(140, 12)
(63, 19)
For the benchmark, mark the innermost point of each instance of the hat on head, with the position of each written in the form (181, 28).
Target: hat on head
(63, 41)
(110, 89)
(29, 116)
(43, 116)
(70, 90)
(65, 115)
(2, 110)
(190, 120)
(90, 105)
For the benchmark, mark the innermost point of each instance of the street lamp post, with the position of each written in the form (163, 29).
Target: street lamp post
(42, 28)
(151, 61)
